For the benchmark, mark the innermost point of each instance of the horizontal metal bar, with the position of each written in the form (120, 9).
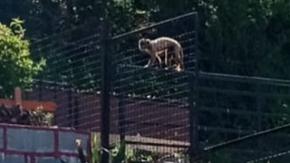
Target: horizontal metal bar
(223, 130)
(51, 82)
(242, 78)
(241, 92)
(238, 111)
(222, 77)
(157, 69)
(157, 144)
(270, 157)
(245, 138)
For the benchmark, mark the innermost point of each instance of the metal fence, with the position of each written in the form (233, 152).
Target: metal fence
(155, 109)
(239, 116)
(149, 108)
(72, 77)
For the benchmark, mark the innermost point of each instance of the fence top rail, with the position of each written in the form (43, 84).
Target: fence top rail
(119, 36)
(220, 76)
(245, 79)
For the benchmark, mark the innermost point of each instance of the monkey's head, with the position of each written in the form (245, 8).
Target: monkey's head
(144, 44)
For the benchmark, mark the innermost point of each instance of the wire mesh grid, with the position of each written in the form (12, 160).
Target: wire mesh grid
(71, 78)
(232, 107)
(266, 146)
(152, 109)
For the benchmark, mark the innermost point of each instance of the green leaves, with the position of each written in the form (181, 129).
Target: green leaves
(95, 145)
(16, 26)
(16, 66)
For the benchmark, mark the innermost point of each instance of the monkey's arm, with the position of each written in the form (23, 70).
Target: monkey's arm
(157, 55)
(152, 60)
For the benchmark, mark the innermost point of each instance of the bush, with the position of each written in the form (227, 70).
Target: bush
(16, 65)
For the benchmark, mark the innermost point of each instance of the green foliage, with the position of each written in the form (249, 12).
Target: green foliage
(126, 155)
(16, 65)
(95, 142)
(140, 156)
(220, 156)
(125, 16)
(119, 153)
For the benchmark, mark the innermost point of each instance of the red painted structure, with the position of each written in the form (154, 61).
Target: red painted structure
(62, 138)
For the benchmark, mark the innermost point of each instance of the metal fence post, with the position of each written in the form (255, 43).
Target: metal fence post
(193, 118)
(121, 109)
(105, 94)
(76, 110)
(193, 103)
(121, 113)
(70, 106)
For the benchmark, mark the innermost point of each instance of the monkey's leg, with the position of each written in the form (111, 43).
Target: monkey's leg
(148, 64)
(181, 59)
(151, 61)
(159, 60)
(153, 58)
(166, 57)
(171, 61)
(178, 68)
(178, 60)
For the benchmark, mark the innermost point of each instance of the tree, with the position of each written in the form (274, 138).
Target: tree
(16, 65)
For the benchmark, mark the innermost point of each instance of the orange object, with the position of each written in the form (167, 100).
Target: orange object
(31, 105)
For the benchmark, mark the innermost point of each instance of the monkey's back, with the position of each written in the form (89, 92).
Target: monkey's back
(164, 43)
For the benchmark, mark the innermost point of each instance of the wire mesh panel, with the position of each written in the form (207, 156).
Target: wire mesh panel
(153, 102)
(266, 146)
(233, 106)
(71, 77)
(160, 102)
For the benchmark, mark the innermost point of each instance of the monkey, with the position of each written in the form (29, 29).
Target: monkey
(159, 47)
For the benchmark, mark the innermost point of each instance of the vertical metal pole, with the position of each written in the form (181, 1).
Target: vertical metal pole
(56, 91)
(40, 85)
(70, 106)
(259, 105)
(121, 108)
(193, 103)
(105, 90)
(76, 109)
(122, 125)
(122, 118)
(121, 112)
